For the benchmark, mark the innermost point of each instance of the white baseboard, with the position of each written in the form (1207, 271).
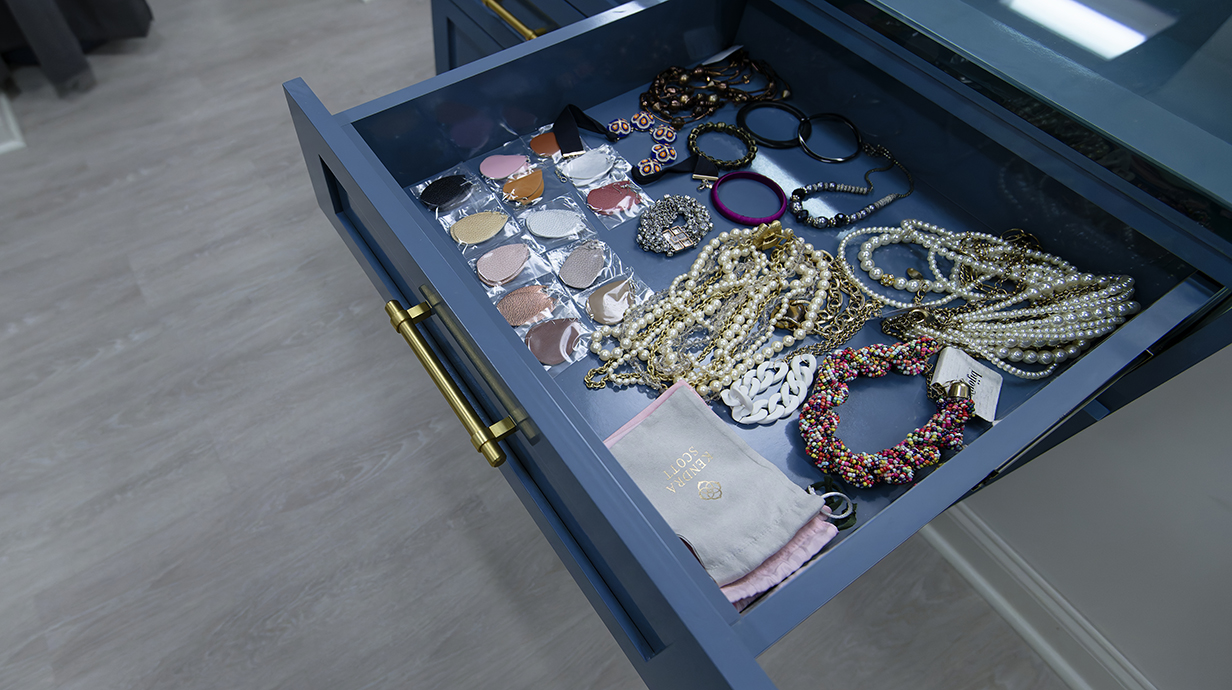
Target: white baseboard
(10, 134)
(1058, 632)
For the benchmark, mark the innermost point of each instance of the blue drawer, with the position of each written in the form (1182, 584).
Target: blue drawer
(667, 614)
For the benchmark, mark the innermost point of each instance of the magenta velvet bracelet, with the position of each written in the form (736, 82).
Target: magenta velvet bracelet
(742, 219)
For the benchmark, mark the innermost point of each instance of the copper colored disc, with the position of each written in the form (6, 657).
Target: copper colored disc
(526, 305)
(545, 145)
(524, 190)
(552, 341)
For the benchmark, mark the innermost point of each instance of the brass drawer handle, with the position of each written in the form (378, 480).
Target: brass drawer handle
(513, 22)
(483, 437)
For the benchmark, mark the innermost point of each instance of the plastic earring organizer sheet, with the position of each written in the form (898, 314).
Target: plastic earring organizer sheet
(880, 410)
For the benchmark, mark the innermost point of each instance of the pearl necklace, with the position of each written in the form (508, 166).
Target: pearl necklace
(1051, 315)
(716, 322)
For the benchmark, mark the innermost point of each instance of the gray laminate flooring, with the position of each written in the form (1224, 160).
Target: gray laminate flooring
(220, 468)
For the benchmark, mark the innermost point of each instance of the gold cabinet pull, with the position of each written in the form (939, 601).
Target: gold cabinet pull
(483, 437)
(511, 20)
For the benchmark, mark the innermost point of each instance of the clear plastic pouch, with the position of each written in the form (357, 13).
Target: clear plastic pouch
(515, 174)
(441, 200)
(607, 302)
(529, 299)
(542, 144)
(593, 167)
(617, 201)
(580, 265)
(559, 340)
(557, 222)
(479, 228)
(514, 259)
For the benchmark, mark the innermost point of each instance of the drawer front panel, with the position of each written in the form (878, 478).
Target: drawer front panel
(650, 593)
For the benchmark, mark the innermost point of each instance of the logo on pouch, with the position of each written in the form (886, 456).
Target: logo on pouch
(709, 491)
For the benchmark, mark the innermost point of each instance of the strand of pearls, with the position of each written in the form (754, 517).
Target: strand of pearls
(716, 322)
(1052, 315)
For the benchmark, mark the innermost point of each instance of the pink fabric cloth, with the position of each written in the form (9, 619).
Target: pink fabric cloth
(810, 539)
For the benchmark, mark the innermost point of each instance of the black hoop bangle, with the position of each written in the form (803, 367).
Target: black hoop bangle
(730, 130)
(740, 217)
(804, 124)
(801, 134)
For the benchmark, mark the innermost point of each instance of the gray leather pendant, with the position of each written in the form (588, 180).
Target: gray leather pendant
(583, 265)
(553, 223)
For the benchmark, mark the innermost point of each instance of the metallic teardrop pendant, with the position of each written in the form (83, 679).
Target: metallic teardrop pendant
(583, 265)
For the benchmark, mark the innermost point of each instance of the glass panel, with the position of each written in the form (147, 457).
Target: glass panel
(1154, 76)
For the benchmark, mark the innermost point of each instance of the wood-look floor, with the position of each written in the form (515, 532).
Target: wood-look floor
(219, 467)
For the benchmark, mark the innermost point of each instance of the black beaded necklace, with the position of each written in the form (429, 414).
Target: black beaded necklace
(841, 219)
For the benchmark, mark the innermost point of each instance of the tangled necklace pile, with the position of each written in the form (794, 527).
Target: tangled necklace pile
(1022, 305)
(717, 321)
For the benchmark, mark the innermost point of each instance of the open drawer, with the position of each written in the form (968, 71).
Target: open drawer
(967, 155)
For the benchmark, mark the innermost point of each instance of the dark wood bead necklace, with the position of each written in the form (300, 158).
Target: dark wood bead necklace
(680, 95)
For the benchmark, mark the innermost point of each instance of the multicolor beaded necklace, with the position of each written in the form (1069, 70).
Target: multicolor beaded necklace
(895, 465)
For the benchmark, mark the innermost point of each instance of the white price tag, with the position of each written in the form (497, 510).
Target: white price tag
(955, 365)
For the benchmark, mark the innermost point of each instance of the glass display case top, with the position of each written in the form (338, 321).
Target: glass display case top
(1144, 87)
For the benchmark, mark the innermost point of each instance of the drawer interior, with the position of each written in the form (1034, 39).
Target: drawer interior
(965, 179)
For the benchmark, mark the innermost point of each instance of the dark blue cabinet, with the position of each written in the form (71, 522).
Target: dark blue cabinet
(466, 30)
(669, 617)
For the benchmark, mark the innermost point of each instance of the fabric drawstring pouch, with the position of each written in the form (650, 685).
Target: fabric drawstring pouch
(747, 523)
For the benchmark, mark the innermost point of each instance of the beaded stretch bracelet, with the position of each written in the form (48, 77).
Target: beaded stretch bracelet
(895, 465)
(730, 130)
(743, 219)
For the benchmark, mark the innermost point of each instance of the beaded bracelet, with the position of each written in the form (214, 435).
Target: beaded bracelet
(740, 218)
(656, 232)
(730, 130)
(841, 219)
(895, 465)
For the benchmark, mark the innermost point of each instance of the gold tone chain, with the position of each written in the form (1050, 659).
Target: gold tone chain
(845, 310)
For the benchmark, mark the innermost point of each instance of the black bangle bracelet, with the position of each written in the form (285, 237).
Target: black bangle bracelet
(803, 126)
(730, 130)
(801, 134)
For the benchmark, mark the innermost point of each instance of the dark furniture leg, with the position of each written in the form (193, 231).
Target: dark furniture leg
(53, 43)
